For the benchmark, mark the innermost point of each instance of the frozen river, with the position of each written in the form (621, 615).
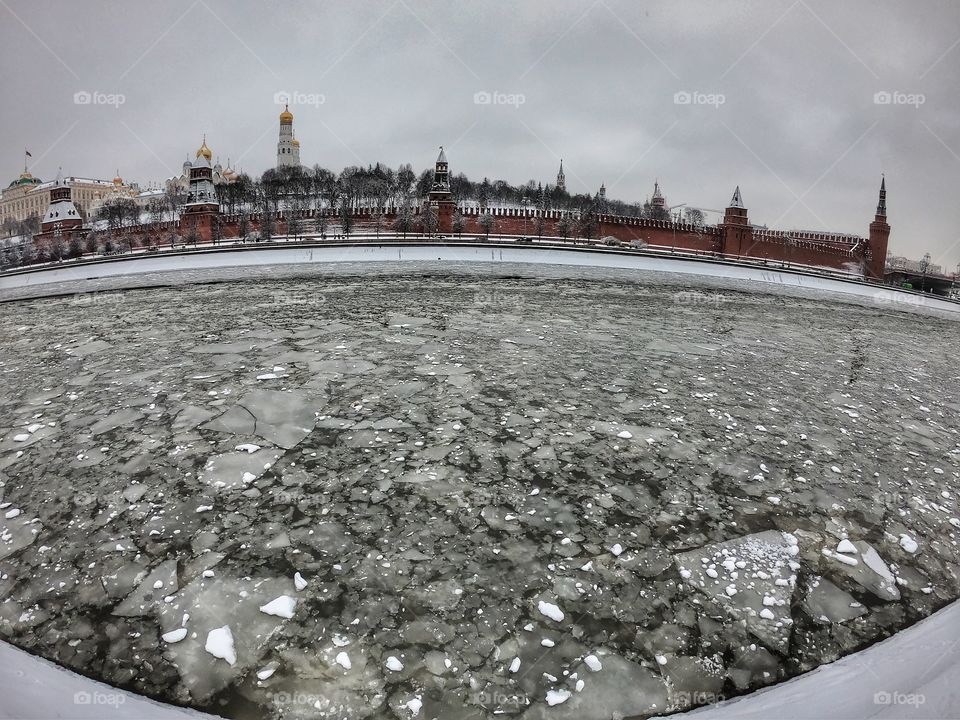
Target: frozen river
(460, 497)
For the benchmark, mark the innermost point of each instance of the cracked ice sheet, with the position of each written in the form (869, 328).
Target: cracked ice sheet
(281, 418)
(212, 603)
(239, 468)
(751, 578)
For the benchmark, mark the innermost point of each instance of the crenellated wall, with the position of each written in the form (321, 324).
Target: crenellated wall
(735, 237)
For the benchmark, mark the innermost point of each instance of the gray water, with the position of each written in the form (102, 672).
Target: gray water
(624, 500)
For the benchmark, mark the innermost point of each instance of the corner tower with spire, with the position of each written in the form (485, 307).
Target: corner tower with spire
(561, 178)
(440, 195)
(736, 230)
(879, 237)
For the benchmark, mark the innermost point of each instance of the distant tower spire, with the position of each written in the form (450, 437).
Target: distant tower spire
(440, 189)
(736, 201)
(882, 204)
(561, 178)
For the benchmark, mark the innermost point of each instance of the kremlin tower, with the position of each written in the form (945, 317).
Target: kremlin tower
(288, 147)
(61, 214)
(202, 207)
(879, 237)
(440, 195)
(561, 178)
(737, 232)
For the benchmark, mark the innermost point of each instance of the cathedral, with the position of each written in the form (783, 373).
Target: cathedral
(219, 175)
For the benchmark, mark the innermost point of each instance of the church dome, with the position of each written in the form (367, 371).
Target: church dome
(204, 150)
(118, 180)
(296, 142)
(286, 115)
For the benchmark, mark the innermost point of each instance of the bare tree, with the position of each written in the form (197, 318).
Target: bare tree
(487, 223)
(459, 223)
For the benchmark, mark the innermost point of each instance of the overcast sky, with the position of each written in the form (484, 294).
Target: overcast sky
(782, 97)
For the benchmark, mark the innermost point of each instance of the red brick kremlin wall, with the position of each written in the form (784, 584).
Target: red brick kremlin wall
(816, 249)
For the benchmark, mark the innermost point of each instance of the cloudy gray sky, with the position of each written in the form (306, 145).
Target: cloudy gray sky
(799, 128)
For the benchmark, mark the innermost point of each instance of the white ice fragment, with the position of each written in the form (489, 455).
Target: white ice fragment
(414, 706)
(343, 660)
(767, 614)
(515, 665)
(208, 573)
(625, 434)
(617, 549)
(555, 697)
(298, 582)
(908, 543)
(845, 546)
(265, 673)
(11, 514)
(393, 664)
(204, 508)
(547, 642)
(22, 437)
(220, 644)
(550, 610)
(593, 662)
(661, 659)
(175, 636)
(281, 607)
(247, 447)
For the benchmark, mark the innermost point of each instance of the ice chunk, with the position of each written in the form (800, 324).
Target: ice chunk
(908, 543)
(871, 573)
(550, 610)
(393, 664)
(343, 660)
(846, 547)
(593, 662)
(298, 582)
(555, 697)
(175, 636)
(766, 572)
(220, 644)
(282, 606)
(827, 603)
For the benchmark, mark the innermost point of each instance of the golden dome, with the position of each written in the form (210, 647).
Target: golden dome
(296, 142)
(286, 115)
(204, 150)
(118, 180)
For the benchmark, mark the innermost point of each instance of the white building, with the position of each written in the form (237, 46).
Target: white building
(288, 147)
